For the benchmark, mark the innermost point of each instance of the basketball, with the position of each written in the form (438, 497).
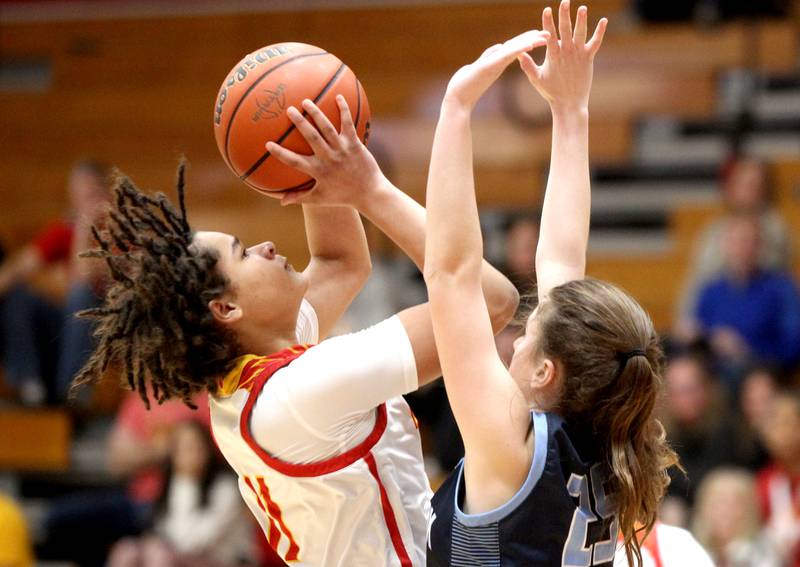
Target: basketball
(250, 110)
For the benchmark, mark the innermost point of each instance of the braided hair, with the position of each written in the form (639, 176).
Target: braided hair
(155, 322)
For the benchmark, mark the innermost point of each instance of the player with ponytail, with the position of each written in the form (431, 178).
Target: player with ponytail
(562, 449)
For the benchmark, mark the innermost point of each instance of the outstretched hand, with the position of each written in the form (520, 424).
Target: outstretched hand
(565, 77)
(342, 166)
(471, 81)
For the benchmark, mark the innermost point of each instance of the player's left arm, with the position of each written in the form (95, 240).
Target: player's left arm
(565, 81)
(340, 262)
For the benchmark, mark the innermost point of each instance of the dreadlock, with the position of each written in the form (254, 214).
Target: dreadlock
(155, 323)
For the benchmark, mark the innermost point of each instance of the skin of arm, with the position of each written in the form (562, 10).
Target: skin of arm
(489, 407)
(565, 80)
(484, 398)
(355, 180)
(340, 262)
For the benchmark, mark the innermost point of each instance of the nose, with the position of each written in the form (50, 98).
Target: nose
(267, 250)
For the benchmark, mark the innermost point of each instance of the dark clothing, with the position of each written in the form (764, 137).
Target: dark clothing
(560, 516)
(700, 450)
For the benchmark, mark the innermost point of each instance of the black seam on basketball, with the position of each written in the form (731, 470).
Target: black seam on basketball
(250, 88)
(358, 103)
(302, 186)
(291, 128)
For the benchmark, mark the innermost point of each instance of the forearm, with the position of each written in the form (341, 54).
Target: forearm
(453, 246)
(336, 235)
(404, 221)
(564, 231)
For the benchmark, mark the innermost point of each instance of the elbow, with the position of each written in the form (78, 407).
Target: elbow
(447, 275)
(503, 306)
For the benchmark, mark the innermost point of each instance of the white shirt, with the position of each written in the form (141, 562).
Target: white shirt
(676, 547)
(327, 451)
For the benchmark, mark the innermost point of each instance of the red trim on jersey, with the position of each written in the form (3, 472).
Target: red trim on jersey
(274, 511)
(294, 469)
(274, 535)
(388, 514)
(651, 545)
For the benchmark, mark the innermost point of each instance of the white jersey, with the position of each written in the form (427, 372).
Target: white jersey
(327, 451)
(668, 546)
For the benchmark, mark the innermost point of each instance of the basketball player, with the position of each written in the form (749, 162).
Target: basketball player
(562, 449)
(327, 452)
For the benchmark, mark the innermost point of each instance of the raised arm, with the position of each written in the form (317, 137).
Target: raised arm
(340, 262)
(488, 406)
(403, 220)
(564, 80)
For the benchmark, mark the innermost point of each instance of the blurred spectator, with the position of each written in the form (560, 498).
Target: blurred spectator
(779, 482)
(198, 516)
(726, 521)
(138, 447)
(668, 546)
(519, 252)
(15, 543)
(43, 345)
(757, 393)
(749, 313)
(745, 189)
(698, 425)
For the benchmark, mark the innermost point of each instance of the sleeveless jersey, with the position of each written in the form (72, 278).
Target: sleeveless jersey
(560, 517)
(366, 506)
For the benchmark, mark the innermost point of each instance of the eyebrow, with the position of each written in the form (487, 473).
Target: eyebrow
(235, 243)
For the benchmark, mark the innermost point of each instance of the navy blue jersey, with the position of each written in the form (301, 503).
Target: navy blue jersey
(560, 517)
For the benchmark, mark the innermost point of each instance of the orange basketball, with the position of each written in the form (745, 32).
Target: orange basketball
(251, 110)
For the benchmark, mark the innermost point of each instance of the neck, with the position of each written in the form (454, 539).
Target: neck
(263, 341)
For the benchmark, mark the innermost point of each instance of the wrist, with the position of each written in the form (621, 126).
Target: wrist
(454, 108)
(569, 111)
(374, 196)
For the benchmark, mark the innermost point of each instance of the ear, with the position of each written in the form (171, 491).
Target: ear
(544, 375)
(225, 311)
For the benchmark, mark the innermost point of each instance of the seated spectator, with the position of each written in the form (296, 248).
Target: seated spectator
(745, 189)
(15, 542)
(779, 482)
(727, 523)
(698, 425)
(138, 446)
(749, 314)
(198, 517)
(43, 345)
(757, 393)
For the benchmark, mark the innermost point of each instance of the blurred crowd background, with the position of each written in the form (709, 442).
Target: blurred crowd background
(695, 148)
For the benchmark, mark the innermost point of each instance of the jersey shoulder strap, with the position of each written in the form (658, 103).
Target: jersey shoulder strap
(250, 368)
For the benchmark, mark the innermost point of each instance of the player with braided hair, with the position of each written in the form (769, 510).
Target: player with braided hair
(148, 249)
(323, 443)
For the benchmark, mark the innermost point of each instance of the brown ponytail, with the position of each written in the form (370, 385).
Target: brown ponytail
(612, 363)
